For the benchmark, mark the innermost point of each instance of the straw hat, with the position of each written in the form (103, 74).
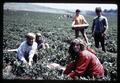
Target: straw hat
(30, 35)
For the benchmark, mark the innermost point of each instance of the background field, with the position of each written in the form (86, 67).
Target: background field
(58, 34)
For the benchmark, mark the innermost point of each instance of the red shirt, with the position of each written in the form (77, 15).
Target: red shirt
(87, 62)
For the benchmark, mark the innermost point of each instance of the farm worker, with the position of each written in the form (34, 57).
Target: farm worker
(28, 49)
(84, 61)
(78, 21)
(41, 43)
(99, 28)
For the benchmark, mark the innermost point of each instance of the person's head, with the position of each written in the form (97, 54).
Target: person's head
(98, 11)
(38, 36)
(77, 45)
(77, 12)
(30, 38)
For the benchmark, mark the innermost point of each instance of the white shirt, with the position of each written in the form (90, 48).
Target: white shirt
(25, 48)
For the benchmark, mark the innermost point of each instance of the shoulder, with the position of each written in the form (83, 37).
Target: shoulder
(74, 17)
(81, 16)
(85, 53)
(103, 17)
(91, 50)
(95, 17)
(23, 43)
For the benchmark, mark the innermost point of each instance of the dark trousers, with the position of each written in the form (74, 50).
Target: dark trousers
(77, 30)
(27, 58)
(34, 58)
(99, 38)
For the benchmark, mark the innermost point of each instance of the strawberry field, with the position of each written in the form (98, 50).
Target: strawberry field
(58, 34)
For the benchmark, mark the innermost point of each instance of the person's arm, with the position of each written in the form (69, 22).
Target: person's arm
(73, 22)
(47, 45)
(81, 66)
(43, 44)
(32, 52)
(105, 25)
(84, 20)
(20, 52)
(93, 24)
(91, 50)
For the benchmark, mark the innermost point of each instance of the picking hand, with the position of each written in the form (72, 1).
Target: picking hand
(24, 61)
(103, 34)
(30, 63)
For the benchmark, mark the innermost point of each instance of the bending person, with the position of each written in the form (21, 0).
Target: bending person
(26, 52)
(83, 61)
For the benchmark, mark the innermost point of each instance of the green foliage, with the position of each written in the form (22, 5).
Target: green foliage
(58, 34)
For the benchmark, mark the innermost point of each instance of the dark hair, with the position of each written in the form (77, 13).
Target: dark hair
(72, 53)
(98, 9)
(77, 10)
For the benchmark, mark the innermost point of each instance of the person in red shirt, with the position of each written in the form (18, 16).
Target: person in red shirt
(83, 61)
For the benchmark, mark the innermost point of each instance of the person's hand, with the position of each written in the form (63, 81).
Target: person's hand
(47, 45)
(44, 46)
(24, 61)
(30, 63)
(72, 75)
(103, 34)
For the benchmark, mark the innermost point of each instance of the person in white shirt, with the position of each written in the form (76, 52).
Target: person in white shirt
(28, 49)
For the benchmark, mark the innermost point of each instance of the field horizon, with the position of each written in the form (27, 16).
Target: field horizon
(56, 30)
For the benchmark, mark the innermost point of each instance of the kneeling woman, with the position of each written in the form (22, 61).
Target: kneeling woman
(83, 61)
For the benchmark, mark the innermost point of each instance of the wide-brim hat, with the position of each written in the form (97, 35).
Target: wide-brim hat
(30, 35)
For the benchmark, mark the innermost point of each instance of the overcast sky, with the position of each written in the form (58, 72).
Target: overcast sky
(71, 6)
(78, 6)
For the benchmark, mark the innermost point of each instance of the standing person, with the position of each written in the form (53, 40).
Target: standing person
(99, 28)
(80, 24)
(41, 43)
(83, 62)
(26, 52)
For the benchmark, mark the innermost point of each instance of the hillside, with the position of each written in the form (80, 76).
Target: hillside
(34, 8)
